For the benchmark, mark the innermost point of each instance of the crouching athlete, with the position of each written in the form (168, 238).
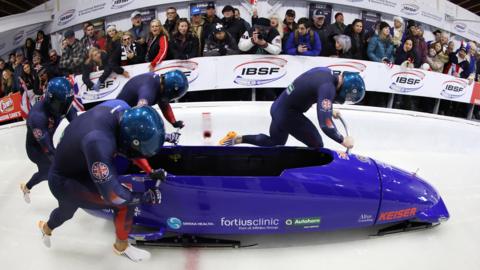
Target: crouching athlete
(43, 119)
(320, 86)
(83, 174)
(151, 88)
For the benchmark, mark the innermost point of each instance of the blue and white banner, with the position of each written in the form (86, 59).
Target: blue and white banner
(262, 71)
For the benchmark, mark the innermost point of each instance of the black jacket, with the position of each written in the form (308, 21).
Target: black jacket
(402, 56)
(215, 47)
(359, 44)
(235, 27)
(170, 25)
(208, 27)
(178, 49)
(323, 35)
(138, 54)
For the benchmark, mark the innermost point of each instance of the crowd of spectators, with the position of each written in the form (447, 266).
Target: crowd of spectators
(28, 68)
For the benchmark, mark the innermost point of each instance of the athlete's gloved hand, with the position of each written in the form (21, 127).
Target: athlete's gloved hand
(96, 86)
(336, 114)
(152, 196)
(348, 142)
(173, 137)
(158, 174)
(178, 124)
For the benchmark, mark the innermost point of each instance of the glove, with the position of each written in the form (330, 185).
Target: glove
(178, 124)
(348, 142)
(158, 174)
(96, 86)
(336, 114)
(172, 137)
(152, 196)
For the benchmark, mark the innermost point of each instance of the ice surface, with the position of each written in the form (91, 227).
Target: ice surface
(446, 151)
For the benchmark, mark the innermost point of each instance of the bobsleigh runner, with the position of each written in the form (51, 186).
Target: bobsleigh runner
(217, 190)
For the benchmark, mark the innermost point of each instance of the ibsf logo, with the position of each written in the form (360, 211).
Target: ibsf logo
(407, 81)
(460, 27)
(116, 4)
(189, 68)
(18, 38)
(351, 66)
(410, 9)
(454, 88)
(6, 105)
(109, 86)
(260, 71)
(66, 17)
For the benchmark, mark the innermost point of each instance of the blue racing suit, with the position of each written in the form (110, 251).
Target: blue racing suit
(147, 87)
(41, 126)
(317, 85)
(83, 174)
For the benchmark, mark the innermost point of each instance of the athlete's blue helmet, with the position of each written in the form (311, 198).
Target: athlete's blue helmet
(353, 88)
(175, 84)
(59, 95)
(142, 132)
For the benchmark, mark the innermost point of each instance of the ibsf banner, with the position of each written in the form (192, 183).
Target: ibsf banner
(10, 107)
(265, 71)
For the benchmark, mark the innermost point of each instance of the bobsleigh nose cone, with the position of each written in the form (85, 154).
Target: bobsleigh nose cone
(438, 213)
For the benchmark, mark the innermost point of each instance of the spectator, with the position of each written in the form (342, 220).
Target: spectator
(303, 41)
(261, 39)
(18, 68)
(359, 42)
(397, 31)
(197, 27)
(73, 54)
(98, 60)
(338, 27)
(42, 76)
(42, 44)
(37, 61)
(89, 39)
(210, 21)
(437, 37)
(433, 59)
(320, 27)
(2, 68)
(405, 56)
(233, 26)
(380, 47)
(171, 21)
(114, 48)
(289, 25)
(420, 46)
(11, 61)
(52, 66)
(157, 44)
(238, 17)
(29, 83)
(139, 30)
(342, 47)
(8, 82)
(183, 44)
(101, 40)
(28, 49)
(132, 52)
(275, 23)
(220, 42)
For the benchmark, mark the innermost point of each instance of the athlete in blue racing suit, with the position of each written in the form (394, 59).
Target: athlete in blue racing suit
(320, 86)
(83, 174)
(43, 119)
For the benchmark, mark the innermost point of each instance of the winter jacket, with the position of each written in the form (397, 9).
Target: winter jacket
(170, 25)
(323, 35)
(106, 66)
(378, 49)
(215, 47)
(72, 58)
(157, 48)
(311, 40)
(273, 46)
(179, 49)
(208, 27)
(401, 56)
(138, 54)
(235, 27)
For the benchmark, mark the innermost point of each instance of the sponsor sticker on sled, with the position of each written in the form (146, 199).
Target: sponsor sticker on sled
(399, 214)
(342, 155)
(365, 218)
(100, 171)
(250, 224)
(174, 223)
(306, 222)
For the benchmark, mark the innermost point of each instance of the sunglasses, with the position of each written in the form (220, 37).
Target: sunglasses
(171, 12)
(125, 39)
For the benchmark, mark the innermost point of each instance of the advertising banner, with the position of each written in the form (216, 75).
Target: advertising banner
(10, 107)
(326, 10)
(369, 19)
(202, 5)
(263, 71)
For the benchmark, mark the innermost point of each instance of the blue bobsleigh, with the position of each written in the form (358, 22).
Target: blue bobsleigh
(212, 190)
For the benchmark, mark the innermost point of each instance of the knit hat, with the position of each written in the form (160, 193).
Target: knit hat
(383, 25)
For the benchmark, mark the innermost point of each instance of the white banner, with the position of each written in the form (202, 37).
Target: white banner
(261, 71)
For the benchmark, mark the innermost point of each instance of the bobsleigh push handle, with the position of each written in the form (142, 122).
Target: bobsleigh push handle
(346, 129)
